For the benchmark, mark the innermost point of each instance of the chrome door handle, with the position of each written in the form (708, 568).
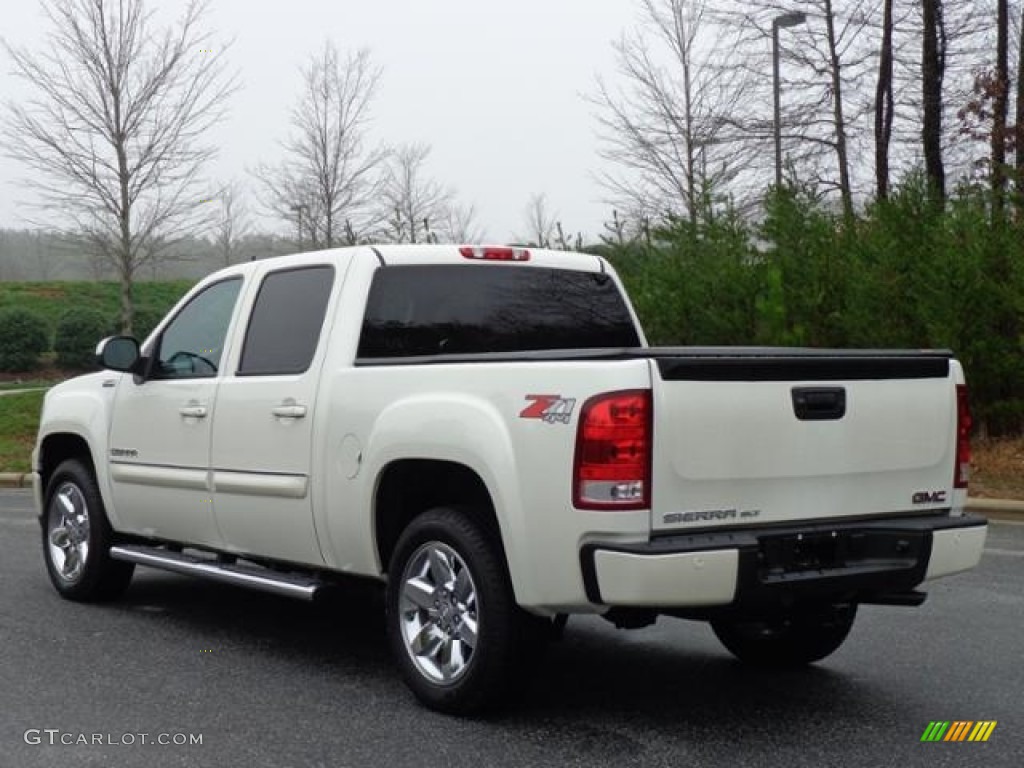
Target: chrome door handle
(289, 411)
(193, 411)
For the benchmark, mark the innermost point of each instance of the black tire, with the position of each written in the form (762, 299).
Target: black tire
(788, 641)
(74, 516)
(483, 675)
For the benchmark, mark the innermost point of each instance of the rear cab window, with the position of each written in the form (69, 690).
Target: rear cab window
(429, 310)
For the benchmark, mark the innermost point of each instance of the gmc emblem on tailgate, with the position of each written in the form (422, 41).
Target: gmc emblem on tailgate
(929, 497)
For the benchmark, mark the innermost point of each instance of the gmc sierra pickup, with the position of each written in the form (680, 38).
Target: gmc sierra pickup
(485, 429)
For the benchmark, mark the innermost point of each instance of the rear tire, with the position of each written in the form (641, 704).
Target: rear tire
(77, 538)
(453, 624)
(790, 640)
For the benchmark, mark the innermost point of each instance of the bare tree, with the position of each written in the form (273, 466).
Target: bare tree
(960, 43)
(840, 129)
(933, 65)
(838, 94)
(671, 128)
(113, 134)
(1019, 121)
(826, 58)
(1000, 107)
(232, 224)
(459, 225)
(415, 203)
(540, 222)
(884, 104)
(329, 179)
(827, 115)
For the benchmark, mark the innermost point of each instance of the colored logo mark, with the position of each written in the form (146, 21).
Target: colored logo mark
(958, 730)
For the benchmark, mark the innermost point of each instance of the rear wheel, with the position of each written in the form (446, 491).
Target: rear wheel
(789, 640)
(77, 538)
(453, 623)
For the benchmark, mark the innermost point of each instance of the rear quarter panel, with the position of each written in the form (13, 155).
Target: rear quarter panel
(473, 414)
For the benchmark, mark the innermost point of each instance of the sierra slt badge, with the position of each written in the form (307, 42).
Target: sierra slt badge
(929, 497)
(707, 515)
(549, 408)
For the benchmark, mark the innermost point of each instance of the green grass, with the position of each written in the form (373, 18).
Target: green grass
(19, 422)
(51, 299)
(32, 383)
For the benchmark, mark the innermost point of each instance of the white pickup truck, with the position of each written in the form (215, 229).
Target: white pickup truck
(486, 429)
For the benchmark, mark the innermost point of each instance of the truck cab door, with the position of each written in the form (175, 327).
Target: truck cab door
(161, 424)
(262, 455)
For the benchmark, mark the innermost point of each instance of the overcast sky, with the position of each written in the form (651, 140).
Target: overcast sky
(495, 88)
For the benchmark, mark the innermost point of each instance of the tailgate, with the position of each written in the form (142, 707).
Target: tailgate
(750, 437)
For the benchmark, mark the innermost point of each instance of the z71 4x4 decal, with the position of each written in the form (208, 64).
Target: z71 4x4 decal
(549, 408)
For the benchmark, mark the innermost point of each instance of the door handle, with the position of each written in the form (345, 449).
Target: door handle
(193, 411)
(289, 411)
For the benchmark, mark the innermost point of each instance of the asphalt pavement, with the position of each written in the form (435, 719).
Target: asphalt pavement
(264, 681)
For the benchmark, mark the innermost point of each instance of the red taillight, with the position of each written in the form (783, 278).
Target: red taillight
(962, 471)
(494, 253)
(613, 452)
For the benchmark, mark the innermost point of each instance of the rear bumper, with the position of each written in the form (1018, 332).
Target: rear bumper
(856, 561)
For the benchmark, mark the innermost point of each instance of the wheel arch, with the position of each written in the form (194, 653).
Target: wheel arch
(406, 488)
(58, 447)
(63, 444)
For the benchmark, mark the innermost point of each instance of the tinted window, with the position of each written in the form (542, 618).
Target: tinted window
(192, 343)
(459, 309)
(286, 321)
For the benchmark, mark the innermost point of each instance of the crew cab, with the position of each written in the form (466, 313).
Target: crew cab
(486, 430)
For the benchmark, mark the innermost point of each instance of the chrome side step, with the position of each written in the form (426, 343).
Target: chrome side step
(286, 584)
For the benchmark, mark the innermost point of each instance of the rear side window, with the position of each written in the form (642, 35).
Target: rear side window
(463, 309)
(286, 321)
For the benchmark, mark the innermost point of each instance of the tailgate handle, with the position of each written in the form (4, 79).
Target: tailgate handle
(819, 403)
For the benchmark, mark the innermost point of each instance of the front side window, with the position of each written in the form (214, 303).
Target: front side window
(192, 344)
(286, 321)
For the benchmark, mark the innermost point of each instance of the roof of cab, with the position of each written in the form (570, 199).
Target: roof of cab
(403, 255)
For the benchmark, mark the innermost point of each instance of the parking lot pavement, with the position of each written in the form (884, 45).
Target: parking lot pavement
(263, 681)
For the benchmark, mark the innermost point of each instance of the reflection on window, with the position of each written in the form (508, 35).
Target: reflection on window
(192, 344)
(460, 309)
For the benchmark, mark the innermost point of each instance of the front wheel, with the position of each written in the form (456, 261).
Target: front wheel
(453, 623)
(77, 538)
(788, 640)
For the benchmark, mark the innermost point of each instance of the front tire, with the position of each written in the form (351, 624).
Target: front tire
(454, 626)
(77, 538)
(790, 640)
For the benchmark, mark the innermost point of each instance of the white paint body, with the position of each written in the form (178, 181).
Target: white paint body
(302, 491)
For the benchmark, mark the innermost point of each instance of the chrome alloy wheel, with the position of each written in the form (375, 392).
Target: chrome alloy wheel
(67, 533)
(439, 612)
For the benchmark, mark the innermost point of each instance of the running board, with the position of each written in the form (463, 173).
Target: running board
(286, 584)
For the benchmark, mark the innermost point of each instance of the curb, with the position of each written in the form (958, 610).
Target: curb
(16, 479)
(997, 509)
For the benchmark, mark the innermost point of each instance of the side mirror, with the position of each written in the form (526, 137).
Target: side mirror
(118, 353)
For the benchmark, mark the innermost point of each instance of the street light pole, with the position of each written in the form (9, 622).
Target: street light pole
(780, 22)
